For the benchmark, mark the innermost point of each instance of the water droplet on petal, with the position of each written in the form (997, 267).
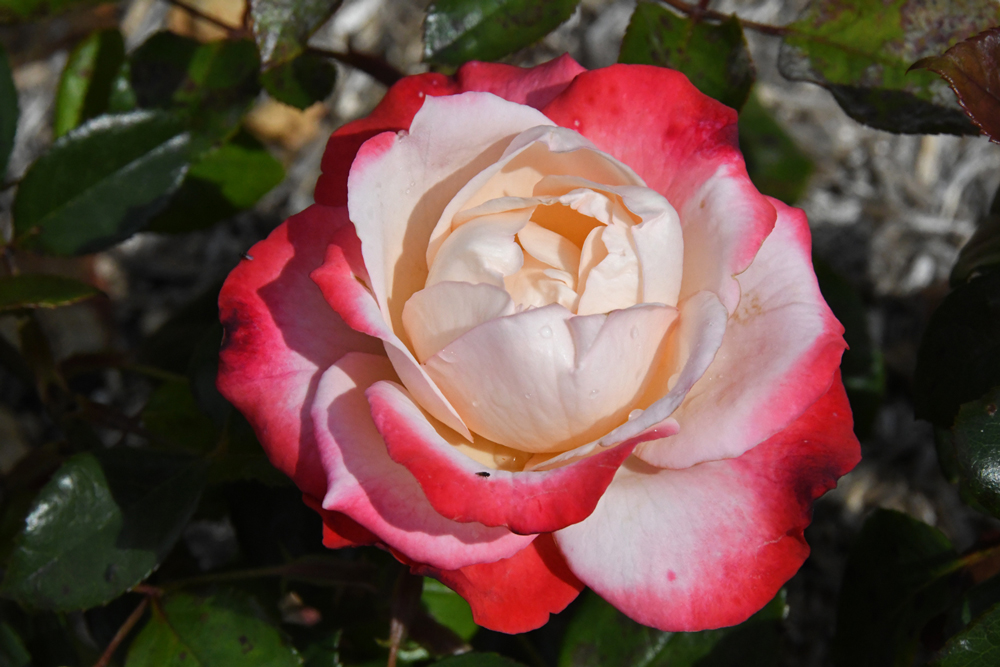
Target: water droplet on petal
(634, 333)
(594, 393)
(475, 404)
(635, 413)
(545, 332)
(407, 190)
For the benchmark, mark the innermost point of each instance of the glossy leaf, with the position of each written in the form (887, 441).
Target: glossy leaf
(8, 112)
(226, 180)
(101, 525)
(896, 580)
(42, 291)
(282, 27)
(478, 660)
(977, 646)
(457, 31)
(775, 163)
(713, 56)
(101, 182)
(301, 82)
(88, 79)
(601, 635)
(972, 69)
(959, 356)
(982, 251)
(12, 650)
(448, 608)
(861, 50)
(227, 629)
(977, 450)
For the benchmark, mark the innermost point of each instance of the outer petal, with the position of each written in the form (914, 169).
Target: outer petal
(379, 494)
(280, 335)
(707, 546)
(460, 489)
(781, 349)
(535, 86)
(517, 594)
(340, 530)
(683, 144)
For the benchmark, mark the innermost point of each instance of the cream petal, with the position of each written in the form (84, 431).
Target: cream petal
(550, 248)
(614, 283)
(482, 250)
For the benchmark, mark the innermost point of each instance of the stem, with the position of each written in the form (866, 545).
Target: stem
(703, 12)
(122, 632)
(374, 67)
(232, 31)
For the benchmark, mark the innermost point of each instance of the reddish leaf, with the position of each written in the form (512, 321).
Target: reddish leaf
(972, 68)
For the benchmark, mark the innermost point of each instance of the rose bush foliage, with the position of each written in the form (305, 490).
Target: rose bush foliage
(540, 332)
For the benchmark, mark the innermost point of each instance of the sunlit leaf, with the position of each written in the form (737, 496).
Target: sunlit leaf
(448, 608)
(42, 291)
(457, 31)
(713, 56)
(861, 50)
(282, 27)
(87, 80)
(972, 68)
(301, 82)
(8, 112)
(101, 182)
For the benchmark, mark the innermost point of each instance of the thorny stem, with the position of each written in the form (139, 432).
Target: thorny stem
(703, 12)
(123, 632)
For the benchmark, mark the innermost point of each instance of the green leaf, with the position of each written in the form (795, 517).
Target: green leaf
(88, 79)
(714, 56)
(42, 291)
(959, 356)
(102, 524)
(12, 650)
(8, 112)
(861, 50)
(775, 163)
(977, 646)
(895, 582)
(227, 629)
(972, 69)
(102, 182)
(301, 82)
(223, 182)
(601, 635)
(282, 27)
(976, 439)
(448, 608)
(213, 84)
(19, 10)
(456, 31)
(478, 660)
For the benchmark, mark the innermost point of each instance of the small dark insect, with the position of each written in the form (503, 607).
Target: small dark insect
(483, 474)
(246, 255)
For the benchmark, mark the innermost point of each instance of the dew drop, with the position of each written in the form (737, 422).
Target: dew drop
(576, 123)
(420, 93)
(475, 404)
(407, 190)
(635, 413)
(545, 332)
(634, 333)
(594, 393)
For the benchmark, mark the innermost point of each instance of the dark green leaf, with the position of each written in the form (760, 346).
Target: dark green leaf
(8, 112)
(977, 646)
(88, 79)
(42, 291)
(456, 31)
(101, 182)
(601, 635)
(959, 356)
(895, 582)
(775, 163)
(861, 50)
(173, 416)
(282, 27)
(972, 68)
(213, 83)
(448, 608)
(713, 56)
(478, 660)
(227, 629)
(225, 181)
(301, 82)
(12, 650)
(983, 249)
(976, 439)
(19, 10)
(101, 525)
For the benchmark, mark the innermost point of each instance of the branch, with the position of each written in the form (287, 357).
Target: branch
(374, 67)
(122, 633)
(702, 11)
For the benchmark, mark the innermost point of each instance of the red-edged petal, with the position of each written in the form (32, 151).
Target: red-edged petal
(280, 335)
(516, 594)
(781, 349)
(683, 144)
(463, 490)
(707, 546)
(340, 530)
(378, 493)
(534, 86)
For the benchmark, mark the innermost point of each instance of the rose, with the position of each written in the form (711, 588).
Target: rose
(540, 331)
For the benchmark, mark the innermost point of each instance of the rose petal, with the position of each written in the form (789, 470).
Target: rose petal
(683, 144)
(527, 382)
(517, 594)
(534, 86)
(781, 350)
(463, 490)
(707, 546)
(340, 530)
(280, 335)
(379, 494)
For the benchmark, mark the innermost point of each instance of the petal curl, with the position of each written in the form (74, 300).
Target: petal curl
(340, 530)
(781, 349)
(707, 546)
(280, 335)
(534, 86)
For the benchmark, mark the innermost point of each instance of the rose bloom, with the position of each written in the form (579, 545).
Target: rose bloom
(540, 332)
